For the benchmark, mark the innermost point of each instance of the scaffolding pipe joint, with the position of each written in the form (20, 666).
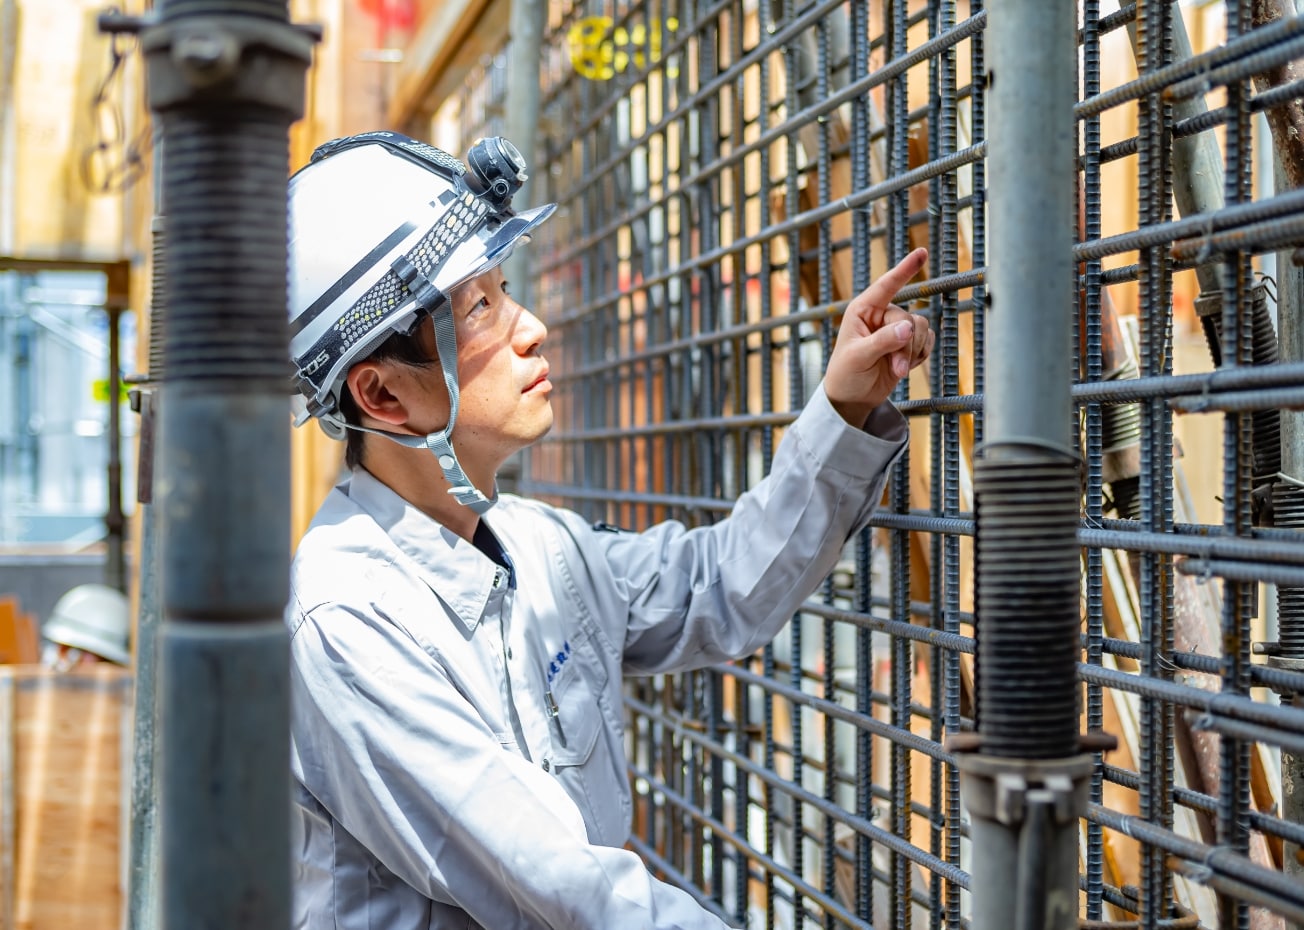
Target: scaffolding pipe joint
(1024, 815)
(227, 59)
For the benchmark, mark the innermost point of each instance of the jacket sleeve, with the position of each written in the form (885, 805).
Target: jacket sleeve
(695, 597)
(388, 746)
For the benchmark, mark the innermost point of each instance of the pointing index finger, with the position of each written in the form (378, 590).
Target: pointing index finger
(879, 295)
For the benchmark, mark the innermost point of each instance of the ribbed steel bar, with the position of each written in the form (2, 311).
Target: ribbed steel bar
(708, 258)
(1236, 706)
(1156, 759)
(1219, 860)
(1235, 351)
(861, 130)
(894, 69)
(1205, 224)
(767, 452)
(898, 143)
(720, 323)
(1156, 78)
(1264, 823)
(1209, 119)
(796, 118)
(1237, 71)
(1090, 285)
(860, 825)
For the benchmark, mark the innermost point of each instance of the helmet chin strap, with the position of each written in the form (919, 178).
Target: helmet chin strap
(440, 442)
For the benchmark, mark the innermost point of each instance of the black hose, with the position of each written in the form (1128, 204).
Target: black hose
(1288, 511)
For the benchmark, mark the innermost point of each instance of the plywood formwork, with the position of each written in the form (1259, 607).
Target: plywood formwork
(63, 754)
(71, 130)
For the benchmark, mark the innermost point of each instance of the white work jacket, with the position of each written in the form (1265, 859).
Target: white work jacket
(457, 727)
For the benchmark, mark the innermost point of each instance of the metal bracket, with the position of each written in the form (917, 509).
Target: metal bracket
(999, 789)
(143, 403)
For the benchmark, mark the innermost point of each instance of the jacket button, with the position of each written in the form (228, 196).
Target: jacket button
(546, 765)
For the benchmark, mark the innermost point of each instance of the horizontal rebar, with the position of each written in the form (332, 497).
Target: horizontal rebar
(1208, 804)
(839, 712)
(1293, 742)
(1277, 901)
(1263, 675)
(1157, 80)
(1243, 571)
(1227, 704)
(768, 863)
(1290, 203)
(1242, 401)
(811, 217)
(1239, 70)
(859, 824)
(1220, 859)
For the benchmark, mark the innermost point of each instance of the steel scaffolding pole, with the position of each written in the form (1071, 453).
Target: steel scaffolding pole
(226, 80)
(1024, 778)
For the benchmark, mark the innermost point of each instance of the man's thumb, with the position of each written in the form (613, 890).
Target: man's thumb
(885, 341)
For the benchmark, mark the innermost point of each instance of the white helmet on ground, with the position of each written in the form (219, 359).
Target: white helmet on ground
(382, 228)
(93, 618)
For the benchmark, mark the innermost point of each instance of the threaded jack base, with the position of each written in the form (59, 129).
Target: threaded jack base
(1028, 506)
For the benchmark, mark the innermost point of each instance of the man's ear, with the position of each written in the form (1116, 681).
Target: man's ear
(378, 393)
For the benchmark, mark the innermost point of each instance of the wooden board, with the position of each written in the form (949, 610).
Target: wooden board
(63, 754)
(19, 642)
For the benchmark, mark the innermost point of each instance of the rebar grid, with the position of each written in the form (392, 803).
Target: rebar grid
(730, 173)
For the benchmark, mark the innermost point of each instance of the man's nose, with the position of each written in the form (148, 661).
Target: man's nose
(530, 331)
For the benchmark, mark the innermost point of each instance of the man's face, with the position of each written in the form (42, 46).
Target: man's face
(503, 379)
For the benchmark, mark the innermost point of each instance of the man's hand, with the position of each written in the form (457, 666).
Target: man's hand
(878, 343)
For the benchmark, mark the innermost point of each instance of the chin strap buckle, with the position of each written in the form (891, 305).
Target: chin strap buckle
(459, 485)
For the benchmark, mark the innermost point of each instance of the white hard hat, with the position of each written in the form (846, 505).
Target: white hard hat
(93, 618)
(382, 228)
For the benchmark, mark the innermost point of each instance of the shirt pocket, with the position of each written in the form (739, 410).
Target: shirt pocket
(585, 759)
(576, 715)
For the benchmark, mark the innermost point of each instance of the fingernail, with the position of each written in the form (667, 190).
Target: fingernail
(904, 329)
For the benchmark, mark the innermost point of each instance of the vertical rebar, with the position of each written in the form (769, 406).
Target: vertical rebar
(1094, 563)
(1153, 187)
(864, 665)
(978, 259)
(1236, 350)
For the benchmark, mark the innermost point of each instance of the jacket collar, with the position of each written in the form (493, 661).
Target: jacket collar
(457, 572)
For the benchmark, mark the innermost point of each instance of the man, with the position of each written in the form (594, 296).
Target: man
(457, 657)
(88, 625)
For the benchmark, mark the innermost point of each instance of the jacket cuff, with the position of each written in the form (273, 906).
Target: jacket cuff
(836, 444)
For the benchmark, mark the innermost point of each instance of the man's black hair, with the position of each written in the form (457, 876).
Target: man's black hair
(405, 349)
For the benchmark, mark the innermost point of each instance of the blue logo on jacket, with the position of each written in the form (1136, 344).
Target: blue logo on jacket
(557, 661)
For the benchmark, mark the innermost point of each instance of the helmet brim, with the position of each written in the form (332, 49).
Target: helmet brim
(66, 635)
(502, 241)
